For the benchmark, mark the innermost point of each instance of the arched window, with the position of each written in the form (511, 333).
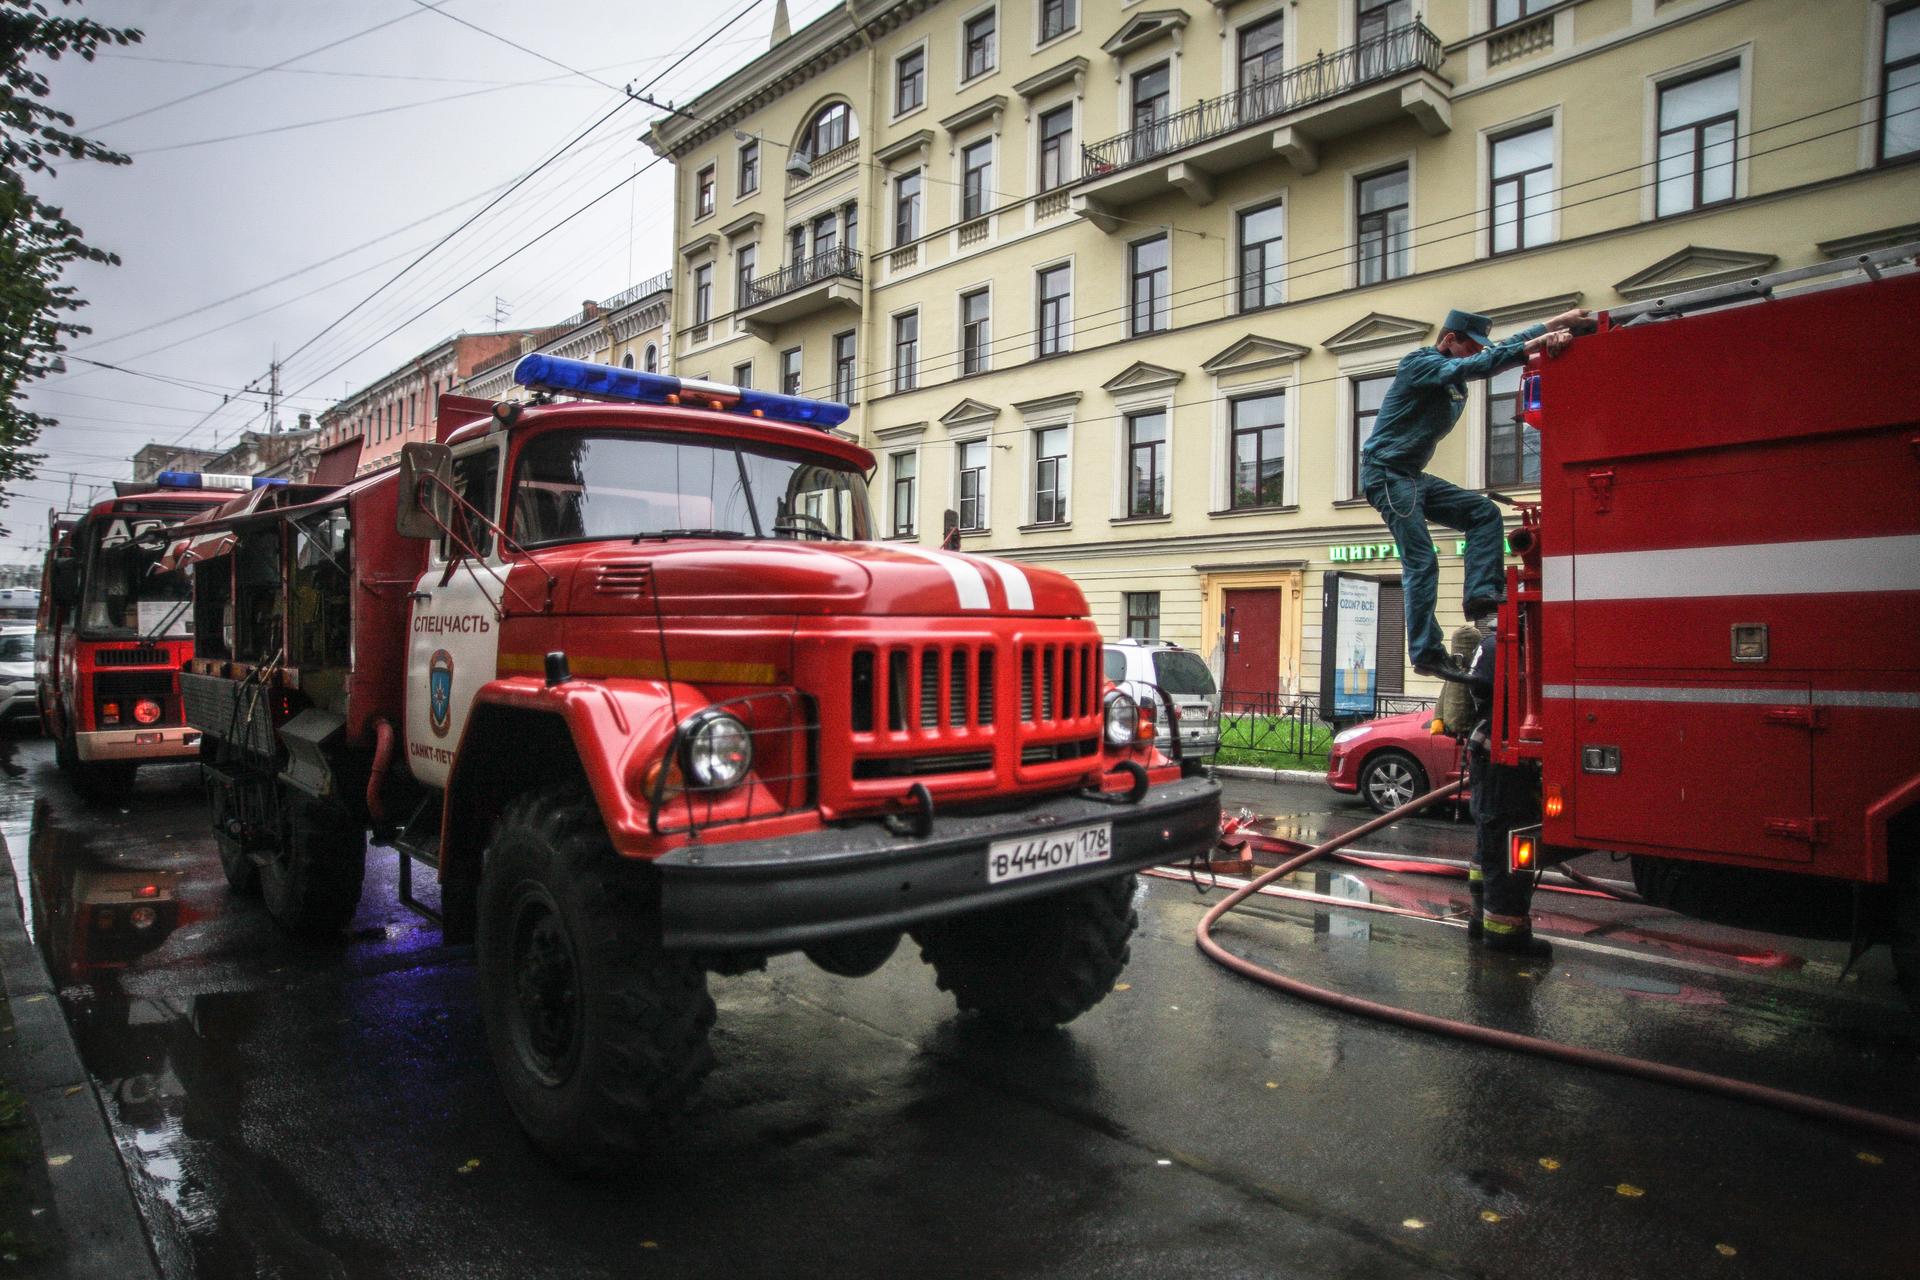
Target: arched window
(653, 358)
(626, 361)
(832, 126)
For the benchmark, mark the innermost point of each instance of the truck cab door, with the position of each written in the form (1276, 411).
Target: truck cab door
(453, 640)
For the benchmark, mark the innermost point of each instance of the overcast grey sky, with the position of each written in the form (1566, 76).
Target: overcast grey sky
(201, 215)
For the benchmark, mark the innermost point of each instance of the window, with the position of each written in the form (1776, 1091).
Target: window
(1147, 463)
(1152, 104)
(653, 359)
(850, 218)
(1513, 447)
(976, 178)
(476, 478)
(976, 330)
(703, 193)
(826, 233)
(796, 246)
(1050, 475)
(1263, 265)
(743, 262)
(1056, 18)
(1261, 51)
(1377, 17)
(1258, 451)
(1367, 394)
(1055, 290)
(906, 351)
(790, 371)
(910, 81)
(832, 126)
(1382, 230)
(979, 39)
(1150, 306)
(743, 375)
(906, 208)
(750, 168)
(970, 459)
(843, 367)
(626, 361)
(1143, 615)
(904, 467)
(1521, 200)
(1699, 117)
(1505, 11)
(703, 293)
(1900, 85)
(1056, 147)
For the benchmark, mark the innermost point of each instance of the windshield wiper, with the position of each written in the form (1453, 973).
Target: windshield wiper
(691, 533)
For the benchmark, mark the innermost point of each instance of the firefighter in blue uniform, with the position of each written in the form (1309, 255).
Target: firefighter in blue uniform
(1504, 797)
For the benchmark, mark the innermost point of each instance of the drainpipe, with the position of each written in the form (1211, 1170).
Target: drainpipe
(869, 219)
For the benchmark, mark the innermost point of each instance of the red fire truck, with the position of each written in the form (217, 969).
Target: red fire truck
(1712, 645)
(630, 673)
(114, 630)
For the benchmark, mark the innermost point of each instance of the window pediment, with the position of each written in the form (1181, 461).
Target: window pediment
(985, 109)
(1074, 69)
(918, 143)
(970, 411)
(1514, 312)
(1144, 28)
(1693, 267)
(1142, 376)
(1254, 352)
(1377, 329)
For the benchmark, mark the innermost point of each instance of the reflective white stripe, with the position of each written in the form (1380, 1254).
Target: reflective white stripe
(1825, 567)
(1749, 695)
(1014, 581)
(967, 582)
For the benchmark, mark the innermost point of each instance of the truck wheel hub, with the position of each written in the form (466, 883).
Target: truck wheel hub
(546, 992)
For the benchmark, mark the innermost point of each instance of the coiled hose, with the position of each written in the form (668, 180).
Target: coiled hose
(1598, 1059)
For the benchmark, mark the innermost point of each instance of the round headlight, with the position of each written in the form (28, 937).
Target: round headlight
(1123, 719)
(141, 917)
(146, 711)
(719, 751)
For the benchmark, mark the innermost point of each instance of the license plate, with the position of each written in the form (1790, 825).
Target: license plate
(1053, 851)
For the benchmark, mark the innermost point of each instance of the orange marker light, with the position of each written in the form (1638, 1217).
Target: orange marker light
(1556, 804)
(1522, 852)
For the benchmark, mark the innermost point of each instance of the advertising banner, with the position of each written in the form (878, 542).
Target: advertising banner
(1349, 646)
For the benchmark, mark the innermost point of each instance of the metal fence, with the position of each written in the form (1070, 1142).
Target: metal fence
(821, 266)
(1279, 726)
(1328, 76)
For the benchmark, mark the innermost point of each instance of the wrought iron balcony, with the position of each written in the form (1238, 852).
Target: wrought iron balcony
(800, 289)
(1356, 71)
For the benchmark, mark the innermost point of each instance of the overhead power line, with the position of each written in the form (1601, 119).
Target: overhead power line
(495, 35)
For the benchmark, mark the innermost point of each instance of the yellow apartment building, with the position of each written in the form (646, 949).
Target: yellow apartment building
(1120, 285)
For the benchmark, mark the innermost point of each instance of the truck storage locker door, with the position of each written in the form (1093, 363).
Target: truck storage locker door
(1703, 768)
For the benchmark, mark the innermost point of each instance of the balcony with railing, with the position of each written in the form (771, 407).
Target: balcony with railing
(1373, 82)
(800, 289)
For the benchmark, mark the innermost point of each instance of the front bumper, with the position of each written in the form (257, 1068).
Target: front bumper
(175, 743)
(778, 894)
(1340, 776)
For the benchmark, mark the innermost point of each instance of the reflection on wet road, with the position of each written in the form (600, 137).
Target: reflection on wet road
(309, 1109)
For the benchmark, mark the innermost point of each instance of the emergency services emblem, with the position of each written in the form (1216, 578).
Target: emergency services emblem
(439, 690)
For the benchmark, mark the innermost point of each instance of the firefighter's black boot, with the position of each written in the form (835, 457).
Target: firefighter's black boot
(1522, 944)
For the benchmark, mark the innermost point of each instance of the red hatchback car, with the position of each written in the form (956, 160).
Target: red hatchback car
(1391, 760)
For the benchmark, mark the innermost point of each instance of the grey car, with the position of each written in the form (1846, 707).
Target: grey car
(1143, 666)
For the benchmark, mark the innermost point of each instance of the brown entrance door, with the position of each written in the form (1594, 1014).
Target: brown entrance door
(1253, 650)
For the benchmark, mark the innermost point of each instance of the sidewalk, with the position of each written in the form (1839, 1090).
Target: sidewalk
(65, 1206)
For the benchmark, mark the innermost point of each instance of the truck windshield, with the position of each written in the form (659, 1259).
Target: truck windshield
(125, 597)
(581, 486)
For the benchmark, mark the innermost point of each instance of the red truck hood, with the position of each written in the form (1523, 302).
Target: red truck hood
(734, 578)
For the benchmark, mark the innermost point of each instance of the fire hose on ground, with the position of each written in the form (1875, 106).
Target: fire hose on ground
(1577, 1055)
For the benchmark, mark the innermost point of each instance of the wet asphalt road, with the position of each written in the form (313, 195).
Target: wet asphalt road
(290, 1109)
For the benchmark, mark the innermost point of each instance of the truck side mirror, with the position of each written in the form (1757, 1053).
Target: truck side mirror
(424, 506)
(66, 581)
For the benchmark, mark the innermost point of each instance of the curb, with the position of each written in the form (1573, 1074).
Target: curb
(1257, 774)
(93, 1203)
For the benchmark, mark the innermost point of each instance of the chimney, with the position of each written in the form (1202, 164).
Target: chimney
(305, 423)
(781, 27)
(590, 309)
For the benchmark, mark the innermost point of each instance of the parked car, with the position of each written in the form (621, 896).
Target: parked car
(1391, 760)
(1183, 674)
(17, 697)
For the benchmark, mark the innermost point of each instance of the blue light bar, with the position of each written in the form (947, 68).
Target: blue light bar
(604, 382)
(214, 480)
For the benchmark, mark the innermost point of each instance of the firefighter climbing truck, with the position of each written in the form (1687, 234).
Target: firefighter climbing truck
(629, 671)
(114, 630)
(1712, 644)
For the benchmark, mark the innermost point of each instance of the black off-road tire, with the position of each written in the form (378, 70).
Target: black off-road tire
(1036, 964)
(311, 881)
(242, 872)
(1906, 928)
(598, 1034)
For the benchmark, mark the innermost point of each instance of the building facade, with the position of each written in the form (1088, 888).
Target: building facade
(287, 455)
(1122, 286)
(399, 406)
(632, 329)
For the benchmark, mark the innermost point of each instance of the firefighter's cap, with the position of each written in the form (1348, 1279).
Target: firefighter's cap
(1469, 325)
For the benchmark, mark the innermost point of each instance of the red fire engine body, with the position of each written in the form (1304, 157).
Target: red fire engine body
(635, 679)
(1712, 645)
(114, 633)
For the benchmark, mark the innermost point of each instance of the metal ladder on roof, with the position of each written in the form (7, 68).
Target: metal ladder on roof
(1894, 260)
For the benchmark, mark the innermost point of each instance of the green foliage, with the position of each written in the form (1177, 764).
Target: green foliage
(37, 240)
